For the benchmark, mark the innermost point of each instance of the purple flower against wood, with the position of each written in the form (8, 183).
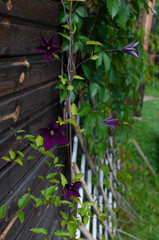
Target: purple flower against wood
(71, 190)
(129, 49)
(53, 134)
(110, 122)
(48, 47)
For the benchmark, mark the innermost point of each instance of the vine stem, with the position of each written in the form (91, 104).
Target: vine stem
(109, 50)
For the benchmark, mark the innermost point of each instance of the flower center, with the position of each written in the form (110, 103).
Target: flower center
(52, 132)
(48, 48)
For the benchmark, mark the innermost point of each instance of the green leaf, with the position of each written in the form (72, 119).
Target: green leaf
(102, 216)
(93, 87)
(85, 109)
(73, 109)
(59, 165)
(63, 80)
(34, 146)
(56, 160)
(66, 26)
(64, 215)
(61, 233)
(19, 161)
(6, 158)
(48, 191)
(85, 220)
(29, 136)
(99, 60)
(95, 57)
(81, 12)
(106, 61)
(89, 123)
(21, 131)
(64, 35)
(49, 153)
(51, 175)
(94, 43)
(63, 96)
(18, 138)
(41, 177)
(22, 202)
(21, 154)
(39, 230)
(54, 180)
(39, 141)
(20, 215)
(76, 199)
(87, 72)
(78, 77)
(78, 176)
(48, 163)
(70, 88)
(2, 211)
(113, 7)
(124, 14)
(63, 180)
(71, 121)
(71, 227)
(12, 155)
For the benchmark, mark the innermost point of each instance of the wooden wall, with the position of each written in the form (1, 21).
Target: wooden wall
(28, 100)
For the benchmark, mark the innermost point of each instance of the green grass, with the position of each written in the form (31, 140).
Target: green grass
(143, 191)
(152, 91)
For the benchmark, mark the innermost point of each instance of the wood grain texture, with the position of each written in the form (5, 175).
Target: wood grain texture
(23, 72)
(28, 103)
(18, 38)
(40, 11)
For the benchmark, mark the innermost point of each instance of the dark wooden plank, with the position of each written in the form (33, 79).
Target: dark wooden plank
(9, 179)
(21, 39)
(19, 73)
(41, 11)
(24, 104)
(32, 125)
(33, 216)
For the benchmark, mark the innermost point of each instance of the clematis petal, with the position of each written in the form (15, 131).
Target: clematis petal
(48, 56)
(67, 187)
(134, 53)
(135, 44)
(44, 132)
(49, 142)
(110, 117)
(130, 45)
(40, 49)
(56, 49)
(77, 185)
(52, 40)
(112, 126)
(68, 195)
(52, 124)
(75, 193)
(61, 128)
(60, 139)
(44, 41)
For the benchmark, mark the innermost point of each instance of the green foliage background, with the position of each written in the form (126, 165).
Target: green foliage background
(111, 78)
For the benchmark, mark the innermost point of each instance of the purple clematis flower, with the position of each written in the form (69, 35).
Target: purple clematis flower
(53, 134)
(71, 190)
(129, 49)
(48, 48)
(110, 122)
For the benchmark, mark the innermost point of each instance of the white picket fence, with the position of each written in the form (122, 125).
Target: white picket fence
(96, 229)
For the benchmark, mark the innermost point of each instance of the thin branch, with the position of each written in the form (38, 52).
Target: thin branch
(157, 18)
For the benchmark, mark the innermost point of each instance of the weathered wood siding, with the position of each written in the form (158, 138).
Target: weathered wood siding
(28, 100)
